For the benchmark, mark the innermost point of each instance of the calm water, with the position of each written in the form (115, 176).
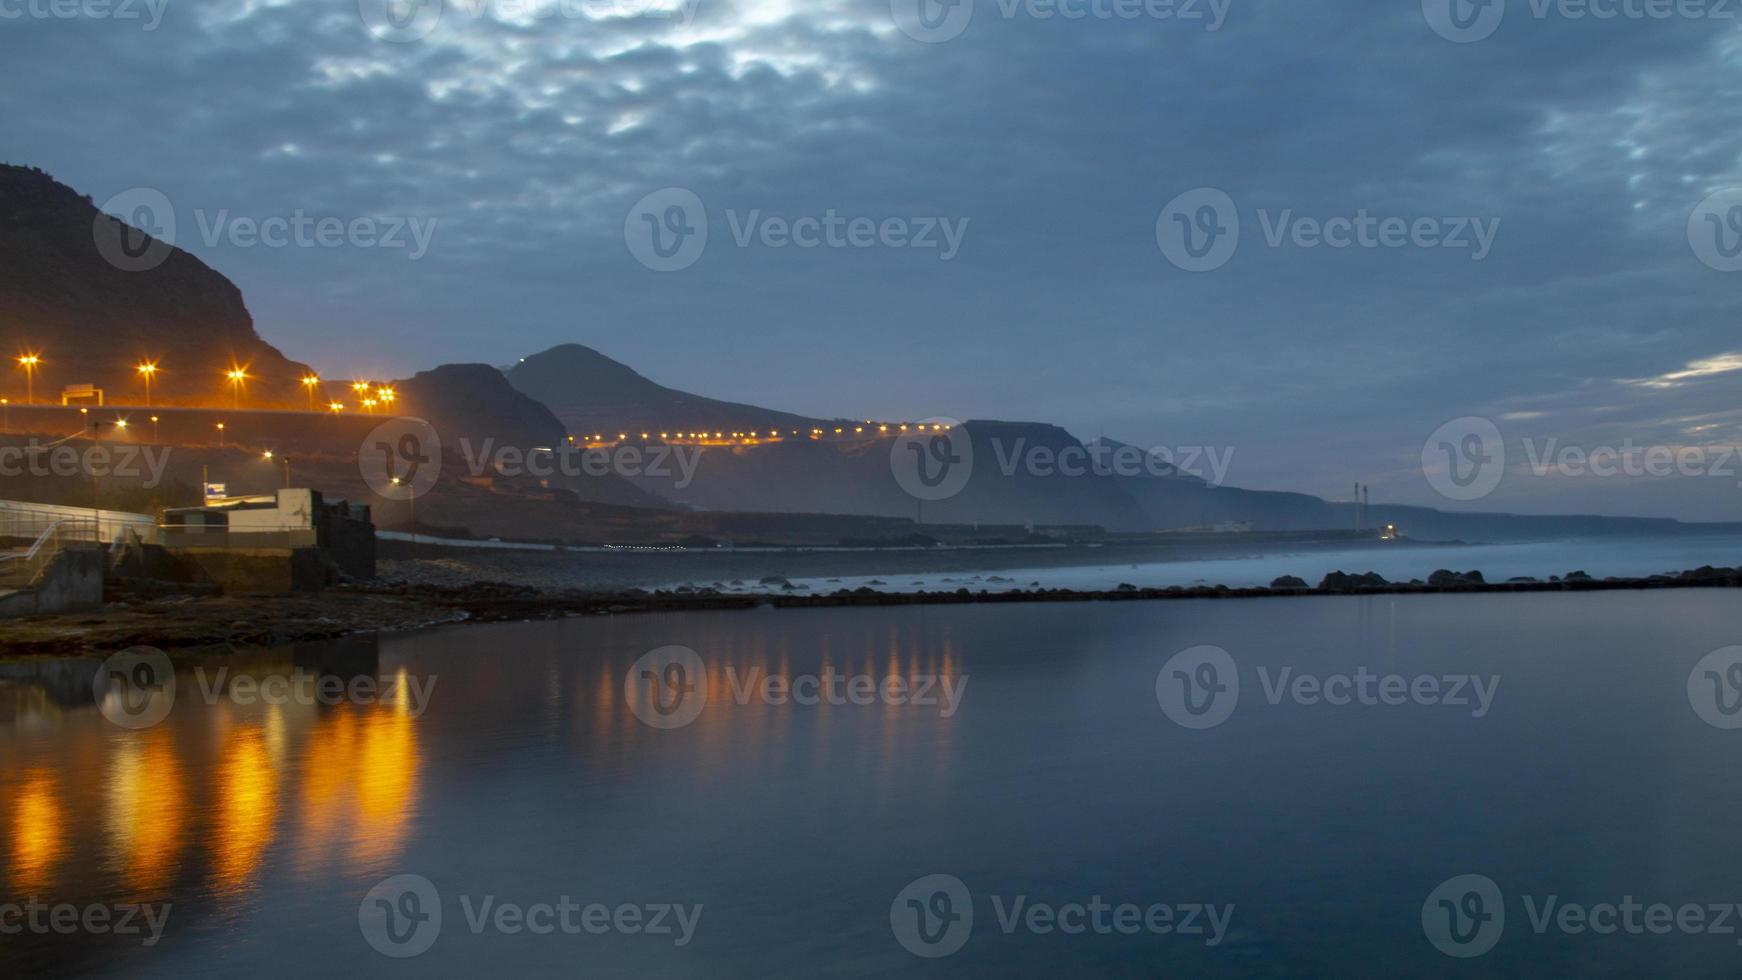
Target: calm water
(1055, 774)
(1399, 563)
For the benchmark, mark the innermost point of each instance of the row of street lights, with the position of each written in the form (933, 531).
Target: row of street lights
(370, 396)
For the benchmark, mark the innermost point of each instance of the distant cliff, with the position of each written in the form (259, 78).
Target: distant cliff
(92, 322)
(592, 393)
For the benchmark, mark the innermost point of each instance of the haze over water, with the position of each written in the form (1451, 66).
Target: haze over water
(1056, 775)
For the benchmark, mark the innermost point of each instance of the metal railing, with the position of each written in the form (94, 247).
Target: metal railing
(21, 570)
(22, 522)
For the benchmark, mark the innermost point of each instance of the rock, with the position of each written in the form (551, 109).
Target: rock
(1342, 582)
(1578, 577)
(1522, 578)
(779, 580)
(1127, 587)
(1445, 578)
(876, 581)
(1288, 582)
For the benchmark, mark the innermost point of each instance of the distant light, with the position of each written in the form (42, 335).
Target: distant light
(266, 455)
(120, 423)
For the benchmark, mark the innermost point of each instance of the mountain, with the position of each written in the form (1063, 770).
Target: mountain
(92, 322)
(592, 393)
(476, 411)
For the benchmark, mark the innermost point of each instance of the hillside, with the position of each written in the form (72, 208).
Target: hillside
(92, 322)
(592, 393)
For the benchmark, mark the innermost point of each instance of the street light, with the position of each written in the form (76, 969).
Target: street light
(29, 362)
(154, 430)
(335, 407)
(220, 434)
(309, 382)
(267, 455)
(237, 376)
(147, 369)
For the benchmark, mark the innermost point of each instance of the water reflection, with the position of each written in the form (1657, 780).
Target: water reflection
(146, 809)
(38, 829)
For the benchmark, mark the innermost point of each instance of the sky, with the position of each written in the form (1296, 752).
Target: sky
(1520, 219)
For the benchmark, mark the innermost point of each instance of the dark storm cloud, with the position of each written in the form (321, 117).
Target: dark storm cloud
(527, 140)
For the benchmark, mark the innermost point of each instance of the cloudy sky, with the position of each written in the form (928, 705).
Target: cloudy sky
(1555, 259)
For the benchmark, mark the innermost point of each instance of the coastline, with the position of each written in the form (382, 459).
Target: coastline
(213, 623)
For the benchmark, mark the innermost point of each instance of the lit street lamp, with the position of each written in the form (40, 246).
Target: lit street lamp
(146, 370)
(236, 376)
(267, 455)
(154, 430)
(335, 407)
(220, 434)
(309, 383)
(29, 362)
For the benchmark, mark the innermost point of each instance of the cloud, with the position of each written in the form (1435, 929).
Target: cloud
(527, 132)
(1695, 371)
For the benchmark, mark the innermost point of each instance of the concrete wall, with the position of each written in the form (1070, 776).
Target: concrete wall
(73, 580)
(253, 569)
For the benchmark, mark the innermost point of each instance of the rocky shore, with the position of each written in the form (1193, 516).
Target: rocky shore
(208, 621)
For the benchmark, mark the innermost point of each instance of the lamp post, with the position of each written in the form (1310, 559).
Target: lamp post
(154, 439)
(29, 362)
(309, 382)
(220, 435)
(236, 376)
(267, 455)
(146, 370)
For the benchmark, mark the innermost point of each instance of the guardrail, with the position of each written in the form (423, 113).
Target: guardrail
(21, 570)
